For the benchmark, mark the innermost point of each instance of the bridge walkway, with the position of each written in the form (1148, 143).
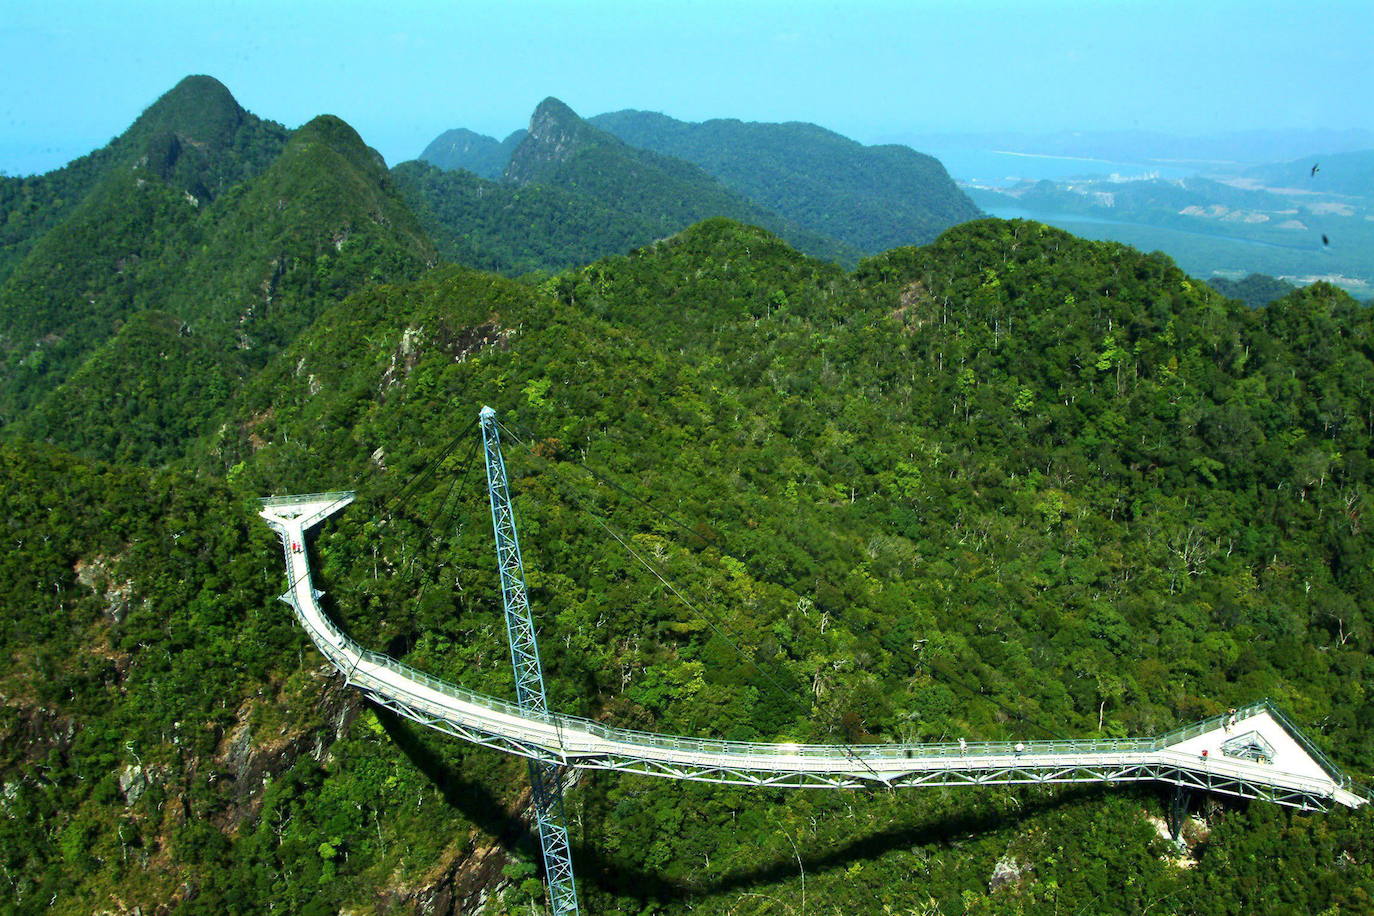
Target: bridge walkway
(1254, 753)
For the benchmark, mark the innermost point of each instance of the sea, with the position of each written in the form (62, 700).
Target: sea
(1002, 168)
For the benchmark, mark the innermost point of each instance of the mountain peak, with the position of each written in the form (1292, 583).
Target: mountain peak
(199, 108)
(337, 135)
(461, 139)
(465, 149)
(556, 133)
(552, 113)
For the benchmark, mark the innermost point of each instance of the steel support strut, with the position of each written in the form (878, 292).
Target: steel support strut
(545, 778)
(1178, 813)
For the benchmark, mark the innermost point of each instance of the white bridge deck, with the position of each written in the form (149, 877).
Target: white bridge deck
(1289, 771)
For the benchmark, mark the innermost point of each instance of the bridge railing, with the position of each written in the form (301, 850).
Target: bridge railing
(329, 496)
(1322, 760)
(1192, 730)
(347, 655)
(344, 653)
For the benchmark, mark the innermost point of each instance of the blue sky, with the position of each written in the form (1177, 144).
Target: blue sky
(77, 73)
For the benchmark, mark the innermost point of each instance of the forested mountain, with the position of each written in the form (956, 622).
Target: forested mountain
(794, 175)
(474, 152)
(1097, 497)
(517, 229)
(871, 197)
(233, 270)
(195, 138)
(569, 194)
(1010, 484)
(564, 151)
(92, 237)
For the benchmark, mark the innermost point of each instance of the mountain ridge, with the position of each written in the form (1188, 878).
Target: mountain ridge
(571, 193)
(871, 197)
(564, 150)
(1008, 482)
(195, 137)
(237, 274)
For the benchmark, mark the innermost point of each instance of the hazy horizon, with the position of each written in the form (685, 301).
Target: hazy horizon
(874, 71)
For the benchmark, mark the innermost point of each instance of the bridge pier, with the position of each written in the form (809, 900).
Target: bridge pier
(1180, 799)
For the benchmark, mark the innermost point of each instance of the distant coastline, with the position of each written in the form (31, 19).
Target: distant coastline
(1007, 152)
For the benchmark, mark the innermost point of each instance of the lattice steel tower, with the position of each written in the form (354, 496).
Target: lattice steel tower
(545, 778)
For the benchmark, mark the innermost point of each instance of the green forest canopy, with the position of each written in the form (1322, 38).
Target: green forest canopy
(1099, 496)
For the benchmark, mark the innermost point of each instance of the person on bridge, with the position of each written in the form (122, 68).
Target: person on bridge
(1020, 749)
(963, 747)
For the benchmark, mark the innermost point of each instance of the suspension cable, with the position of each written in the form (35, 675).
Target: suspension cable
(719, 627)
(424, 471)
(912, 659)
(782, 691)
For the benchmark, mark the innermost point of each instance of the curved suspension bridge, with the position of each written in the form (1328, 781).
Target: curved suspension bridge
(1251, 752)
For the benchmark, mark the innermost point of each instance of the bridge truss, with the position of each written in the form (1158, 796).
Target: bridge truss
(1294, 772)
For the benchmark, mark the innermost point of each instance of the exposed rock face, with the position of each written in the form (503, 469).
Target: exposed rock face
(248, 762)
(1009, 871)
(1181, 851)
(33, 734)
(133, 781)
(464, 885)
(97, 574)
(458, 343)
(472, 873)
(556, 133)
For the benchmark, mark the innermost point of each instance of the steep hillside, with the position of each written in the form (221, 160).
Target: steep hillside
(141, 396)
(517, 229)
(85, 276)
(1009, 484)
(85, 242)
(323, 221)
(870, 197)
(144, 700)
(241, 272)
(511, 229)
(196, 138)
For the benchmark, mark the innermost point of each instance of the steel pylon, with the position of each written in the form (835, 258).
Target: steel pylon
(545, 778)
